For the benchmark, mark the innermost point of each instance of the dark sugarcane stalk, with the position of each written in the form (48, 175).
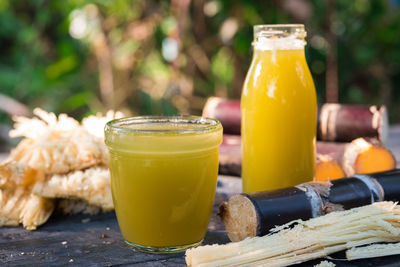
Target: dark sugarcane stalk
(336, 122)
(344, 123)
(255, 214)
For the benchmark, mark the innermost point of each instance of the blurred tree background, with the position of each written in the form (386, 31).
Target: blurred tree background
(167, 57)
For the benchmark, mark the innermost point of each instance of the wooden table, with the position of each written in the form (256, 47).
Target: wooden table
(83, 240)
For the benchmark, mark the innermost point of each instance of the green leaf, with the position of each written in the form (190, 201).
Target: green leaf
(222, 66)
(63, 66)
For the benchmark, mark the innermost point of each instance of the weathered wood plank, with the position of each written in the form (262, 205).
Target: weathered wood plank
(74, 241)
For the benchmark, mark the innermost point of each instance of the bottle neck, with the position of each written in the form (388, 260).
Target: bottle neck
(279, 44)
(279, 37)
(290, 58)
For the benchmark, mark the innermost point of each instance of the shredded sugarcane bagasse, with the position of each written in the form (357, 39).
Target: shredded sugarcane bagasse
(372, 251)
(58, 158)
(306, 240)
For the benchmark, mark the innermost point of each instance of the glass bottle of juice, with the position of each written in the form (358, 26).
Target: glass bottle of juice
(279, 110)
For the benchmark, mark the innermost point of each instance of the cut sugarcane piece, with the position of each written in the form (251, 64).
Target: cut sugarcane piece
(326, 168)
(254, 214)
(366, 156)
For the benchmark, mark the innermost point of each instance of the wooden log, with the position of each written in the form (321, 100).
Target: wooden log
(336, 122)
(254, 214)
(359, 156)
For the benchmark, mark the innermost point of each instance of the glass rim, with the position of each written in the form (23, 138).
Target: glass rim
(120, 125)
(288, 25)
(279, 30)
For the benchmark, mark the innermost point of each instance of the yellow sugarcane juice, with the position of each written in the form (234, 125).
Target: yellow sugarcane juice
(278, 106)
(163, 179)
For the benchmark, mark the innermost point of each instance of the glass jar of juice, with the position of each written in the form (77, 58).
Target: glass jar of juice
(279, 108)
(163, 179)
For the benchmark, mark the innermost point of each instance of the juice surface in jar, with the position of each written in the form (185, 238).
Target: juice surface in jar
(279, 108)
(163, 180)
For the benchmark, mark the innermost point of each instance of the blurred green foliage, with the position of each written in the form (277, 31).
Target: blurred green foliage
(161, 57)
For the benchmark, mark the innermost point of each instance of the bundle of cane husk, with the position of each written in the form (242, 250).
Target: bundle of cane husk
(60, 164)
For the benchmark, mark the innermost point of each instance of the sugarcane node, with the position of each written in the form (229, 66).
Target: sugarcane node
(331, 207)
(323, 188)
(390, 183)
